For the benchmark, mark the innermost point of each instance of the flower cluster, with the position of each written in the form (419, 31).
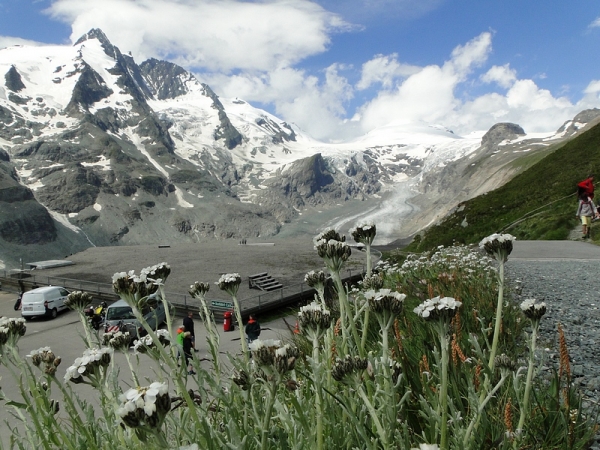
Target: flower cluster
(364, 233)
(117, 340)
(270, 352)
(145, 406)
(438, 308)
(128, 284)
(334, 250)
(532, 309)
(199, 289)
(314, 317)
(89, 364)
(375, 282)
(385, 300)
(146, 343)
(229, 282)
(350, 364)
(457, 263)
(78, 300)
(498, 246)
(11, 329)
(242, 379)
(158, 272)
(504, 362)
(315, 279)
(45, 355)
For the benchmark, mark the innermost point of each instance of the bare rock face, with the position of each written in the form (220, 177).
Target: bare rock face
(13, 80)
(501, 132)
(23, 220)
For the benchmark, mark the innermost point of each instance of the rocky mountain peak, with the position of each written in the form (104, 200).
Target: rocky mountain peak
(13, 80)
(165, 79)
(97, 33)
(501, 132)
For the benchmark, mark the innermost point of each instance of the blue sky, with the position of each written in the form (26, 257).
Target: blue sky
(340, 68)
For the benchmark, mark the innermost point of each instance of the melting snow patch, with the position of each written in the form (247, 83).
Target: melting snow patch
(181, 201)
(62, 219)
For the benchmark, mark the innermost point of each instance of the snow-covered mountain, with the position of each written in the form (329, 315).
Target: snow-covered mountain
(98, 150)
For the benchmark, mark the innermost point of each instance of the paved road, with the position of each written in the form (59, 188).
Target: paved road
(542, 250)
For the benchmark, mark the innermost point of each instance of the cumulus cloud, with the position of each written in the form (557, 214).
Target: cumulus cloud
(428, 94)
(385, 70)
(502, 75)
(218, 35)
(255, 50)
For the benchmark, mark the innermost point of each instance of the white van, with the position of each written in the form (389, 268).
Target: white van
(44, 301)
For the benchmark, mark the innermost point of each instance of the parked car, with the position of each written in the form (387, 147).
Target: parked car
(120, 314)
(45, 301)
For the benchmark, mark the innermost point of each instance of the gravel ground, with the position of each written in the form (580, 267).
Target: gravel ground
(571, 290)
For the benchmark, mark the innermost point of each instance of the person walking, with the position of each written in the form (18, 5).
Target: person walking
(585, 211)
(187, 352)
(252, 329)
(20, 297)
(586, 187)
(188, 323)
(180, 336)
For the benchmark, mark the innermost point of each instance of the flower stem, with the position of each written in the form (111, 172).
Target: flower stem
(373, 413)
(238, 317)
(318, 397)
(529, 380)
(498, 315)
(444, 388)
(345, 311)
(480, 409)
(268, 412)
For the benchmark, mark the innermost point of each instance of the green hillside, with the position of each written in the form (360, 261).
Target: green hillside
(537, 204)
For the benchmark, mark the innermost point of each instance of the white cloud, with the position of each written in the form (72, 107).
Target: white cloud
(428, 94)
(8, 41)
(253, 49)
(212, 34)
(384, 69)
(595, 23)
(502, 75)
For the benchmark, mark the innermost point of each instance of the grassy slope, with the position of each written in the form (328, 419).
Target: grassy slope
(512, 208)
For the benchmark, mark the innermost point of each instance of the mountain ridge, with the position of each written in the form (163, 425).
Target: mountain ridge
(118, 153)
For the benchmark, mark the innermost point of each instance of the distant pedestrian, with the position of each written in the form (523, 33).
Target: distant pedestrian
(252, 329)
(585, 211)
(586, 187)
(188, 323)
(180, 335)
(187, 352)
(20, 297)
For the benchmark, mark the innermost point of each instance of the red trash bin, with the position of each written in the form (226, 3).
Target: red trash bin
(227, 321)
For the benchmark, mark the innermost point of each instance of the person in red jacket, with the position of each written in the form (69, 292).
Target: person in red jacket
(586, 187)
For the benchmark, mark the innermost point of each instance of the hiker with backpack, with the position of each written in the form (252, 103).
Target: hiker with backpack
(586, 187)
(586, 211)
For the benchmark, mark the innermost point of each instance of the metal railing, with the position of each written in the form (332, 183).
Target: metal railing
(263, 300)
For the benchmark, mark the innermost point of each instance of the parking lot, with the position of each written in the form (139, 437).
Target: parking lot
(64, 335)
